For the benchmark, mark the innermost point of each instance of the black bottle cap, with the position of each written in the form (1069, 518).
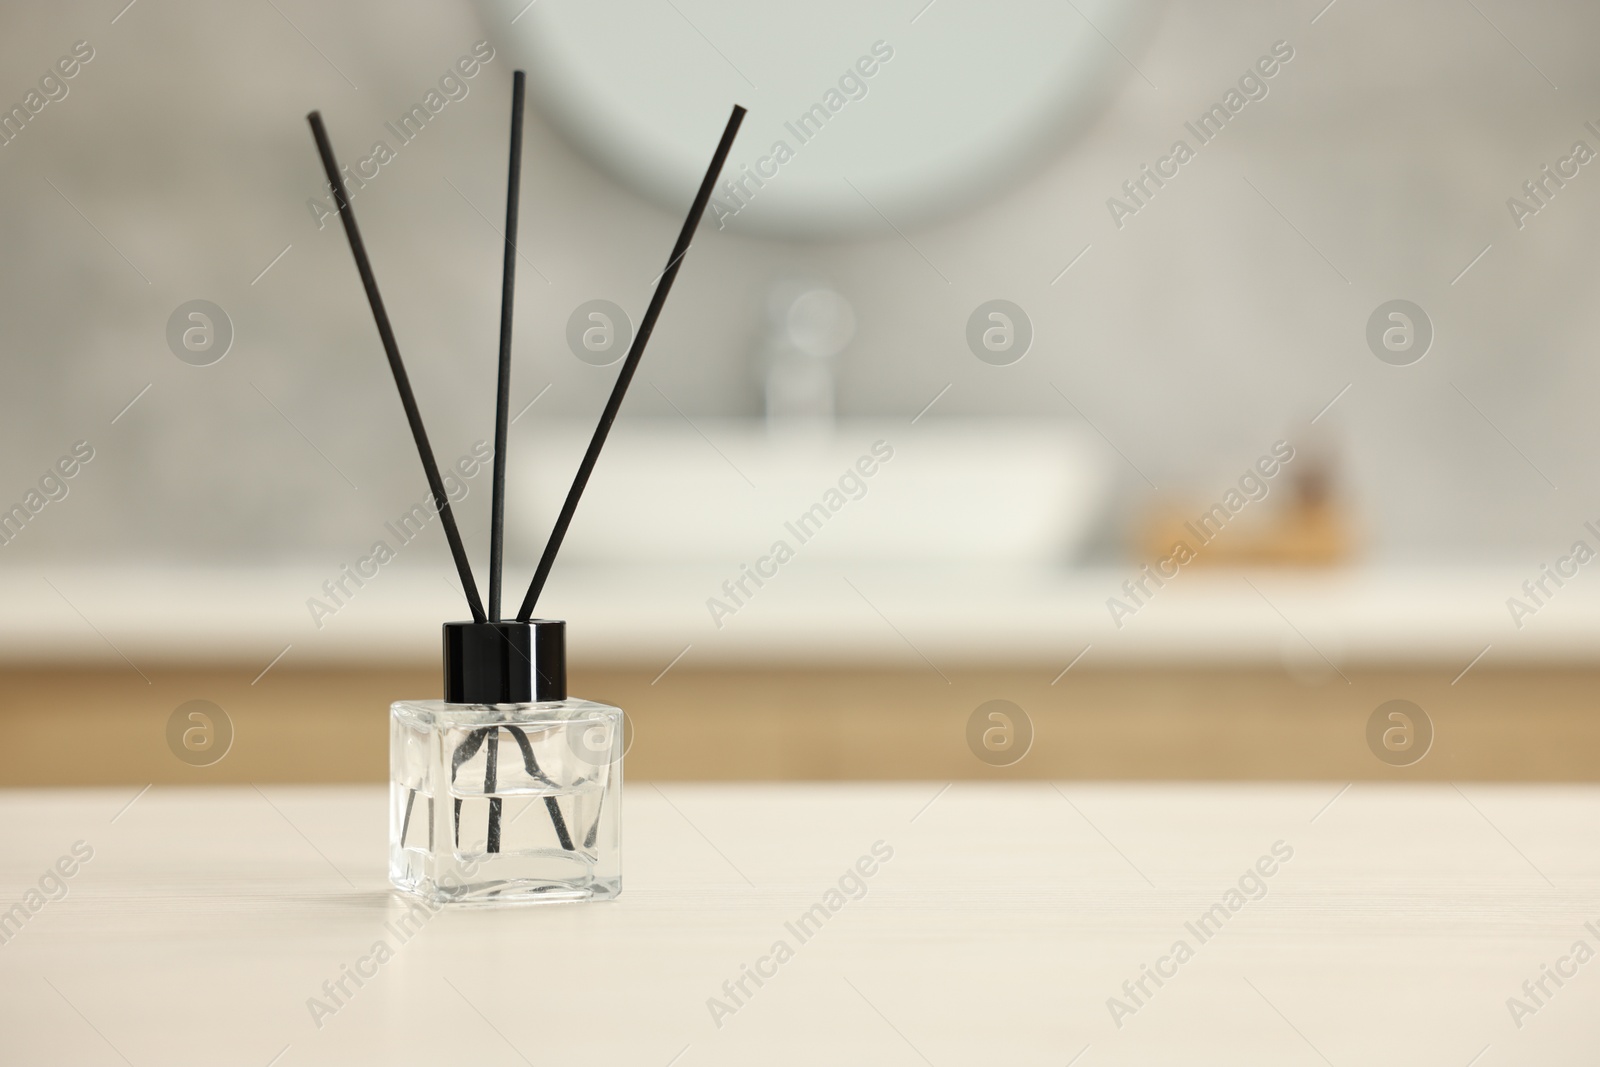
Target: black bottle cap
(505, 662)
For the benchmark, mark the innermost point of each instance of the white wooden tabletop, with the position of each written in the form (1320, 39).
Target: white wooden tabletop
(215, 927)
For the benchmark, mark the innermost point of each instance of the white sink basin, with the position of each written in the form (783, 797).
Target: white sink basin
(1007, 493)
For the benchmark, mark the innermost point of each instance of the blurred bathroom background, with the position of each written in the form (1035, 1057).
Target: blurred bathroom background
(1158, 338)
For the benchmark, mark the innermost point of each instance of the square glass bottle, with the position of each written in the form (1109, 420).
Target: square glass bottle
(507, 790)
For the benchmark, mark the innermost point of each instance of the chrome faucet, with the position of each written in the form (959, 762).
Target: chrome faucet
(808, 325)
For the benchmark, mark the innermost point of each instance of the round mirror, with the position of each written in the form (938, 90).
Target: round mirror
(859, 114)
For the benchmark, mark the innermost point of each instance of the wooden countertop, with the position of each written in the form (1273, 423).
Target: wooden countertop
(1005, 919)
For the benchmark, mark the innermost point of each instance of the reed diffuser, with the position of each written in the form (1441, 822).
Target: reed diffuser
(507, 789)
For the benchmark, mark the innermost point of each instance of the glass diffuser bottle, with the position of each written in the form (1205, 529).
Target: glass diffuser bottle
(507, 789)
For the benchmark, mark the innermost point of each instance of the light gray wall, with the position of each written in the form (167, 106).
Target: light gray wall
(1222, 316)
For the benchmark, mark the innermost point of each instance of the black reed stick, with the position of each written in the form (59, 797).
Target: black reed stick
(401, 381)
(491, 782)
(502, 411)
(631, 364)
